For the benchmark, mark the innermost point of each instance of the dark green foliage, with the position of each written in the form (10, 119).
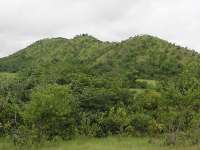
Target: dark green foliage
(9, 116)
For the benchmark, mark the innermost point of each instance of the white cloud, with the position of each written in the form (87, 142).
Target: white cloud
(24, 21)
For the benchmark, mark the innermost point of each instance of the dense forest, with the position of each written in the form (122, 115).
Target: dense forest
(142, 86)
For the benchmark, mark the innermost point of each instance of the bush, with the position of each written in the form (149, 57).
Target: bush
(90, 124)
(116, 121)
(52, 111)
(24, 136)
(141, 123)
(9, 116)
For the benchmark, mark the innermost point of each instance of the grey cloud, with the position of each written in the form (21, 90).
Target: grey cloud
(24, 21)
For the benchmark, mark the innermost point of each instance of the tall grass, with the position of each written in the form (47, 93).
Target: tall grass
(110, 143)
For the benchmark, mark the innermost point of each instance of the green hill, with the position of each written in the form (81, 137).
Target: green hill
(63, 87)
(149, 56)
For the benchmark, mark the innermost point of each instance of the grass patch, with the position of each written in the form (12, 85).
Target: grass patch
(150, 83)
(8, 75)
(110, 143)
(138, 91)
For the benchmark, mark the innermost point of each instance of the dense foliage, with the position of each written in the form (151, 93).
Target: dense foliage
(85, 87)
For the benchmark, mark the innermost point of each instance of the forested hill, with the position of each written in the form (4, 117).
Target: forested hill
(149, 56)
(83, 86)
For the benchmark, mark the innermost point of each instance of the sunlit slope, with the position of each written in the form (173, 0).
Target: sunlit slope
(147, 56)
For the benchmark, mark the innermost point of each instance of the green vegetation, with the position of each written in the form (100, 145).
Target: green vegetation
(149, 84)
(109, 143)
(69, 88)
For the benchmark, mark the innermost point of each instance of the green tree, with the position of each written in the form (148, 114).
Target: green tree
(51, 111)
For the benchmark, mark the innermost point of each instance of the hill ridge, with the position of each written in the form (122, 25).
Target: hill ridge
(87, 50)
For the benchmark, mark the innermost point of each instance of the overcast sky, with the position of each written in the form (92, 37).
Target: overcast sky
(25, 21)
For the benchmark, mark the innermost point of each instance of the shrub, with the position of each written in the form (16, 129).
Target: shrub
(52, 111)
(116, 121)
(90, 124)
(141, 123)
(9, 116)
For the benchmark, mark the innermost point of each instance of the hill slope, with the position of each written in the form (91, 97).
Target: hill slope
(82, 86)
(151, 57)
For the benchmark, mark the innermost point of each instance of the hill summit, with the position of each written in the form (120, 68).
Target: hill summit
(148, 55)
